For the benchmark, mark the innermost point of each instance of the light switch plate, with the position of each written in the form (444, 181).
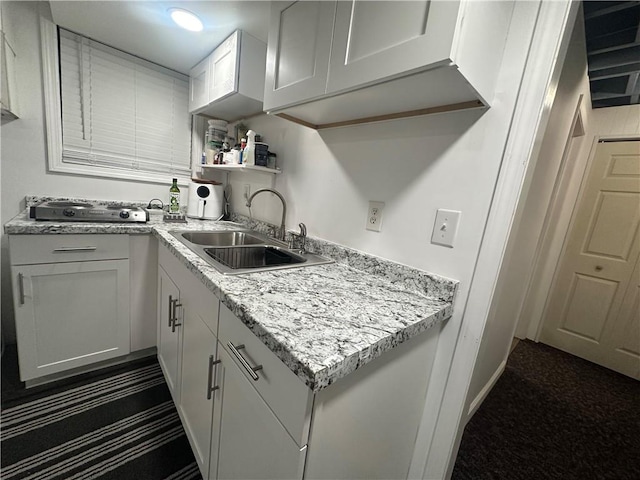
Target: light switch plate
(374, 216)
(445, 228)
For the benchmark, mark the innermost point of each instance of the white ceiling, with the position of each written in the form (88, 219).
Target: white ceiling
(145, 29)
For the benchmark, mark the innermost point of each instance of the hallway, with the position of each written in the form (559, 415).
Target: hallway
(553, 416)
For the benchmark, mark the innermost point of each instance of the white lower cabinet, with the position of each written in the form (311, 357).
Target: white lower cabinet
(169, 331)
(248, 416)
(187, 323)
(252, 442)
(71, 298)
(232, 430)
(196, 399)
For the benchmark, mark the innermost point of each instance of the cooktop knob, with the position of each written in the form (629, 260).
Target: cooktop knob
(67, 212)
(124, 214)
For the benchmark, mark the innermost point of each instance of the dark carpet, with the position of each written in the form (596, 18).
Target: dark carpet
(554, 416)
(116, 423)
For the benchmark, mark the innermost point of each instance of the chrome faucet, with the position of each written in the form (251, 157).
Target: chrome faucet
(298, 241)
(284, 207)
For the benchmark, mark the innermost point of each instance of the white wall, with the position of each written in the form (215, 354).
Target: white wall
(415, 166)
(23, 148)
(620, 122)
(530, 217)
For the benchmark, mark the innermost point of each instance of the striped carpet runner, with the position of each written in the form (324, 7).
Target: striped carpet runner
(121, 426)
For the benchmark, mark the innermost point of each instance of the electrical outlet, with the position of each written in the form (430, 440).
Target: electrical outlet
(374, 216)
(444, 230)
(247, 191)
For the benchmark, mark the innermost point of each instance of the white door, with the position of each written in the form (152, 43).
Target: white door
(70, 314)
(298, 52)
(249, 441)
(375, 40)
(624, 337)
(591, 309)
(196, 397)
(169, 332)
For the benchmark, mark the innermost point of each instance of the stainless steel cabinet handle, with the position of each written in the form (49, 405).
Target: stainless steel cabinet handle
(174, 322)
(171, 310)
(74, 249)
(21, 288)
(251, 370)
(211, 389)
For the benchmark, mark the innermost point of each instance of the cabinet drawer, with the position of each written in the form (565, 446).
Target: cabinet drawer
(33, 249)
(287, 396)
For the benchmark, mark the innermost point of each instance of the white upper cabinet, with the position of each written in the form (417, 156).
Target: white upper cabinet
(198, 86)
(223, 75)
(298, 62)
(377, 40)
(229, 83)
(386, 59)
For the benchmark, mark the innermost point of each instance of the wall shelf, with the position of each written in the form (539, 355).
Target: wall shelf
(242, 168)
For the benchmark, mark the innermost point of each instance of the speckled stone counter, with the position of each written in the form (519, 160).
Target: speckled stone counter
(324, 321)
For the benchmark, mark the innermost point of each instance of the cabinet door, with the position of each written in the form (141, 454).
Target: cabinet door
(376, 40)
(196, 398)
(249, 442)
(70, 314)
(199, 85)
(298, 52)
(169, 332)
(223, 65)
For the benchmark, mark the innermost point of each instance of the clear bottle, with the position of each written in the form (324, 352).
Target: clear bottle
(174, 197)
(243, 144)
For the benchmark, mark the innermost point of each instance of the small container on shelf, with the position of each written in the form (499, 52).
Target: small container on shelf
(262, 154)
(272, 160)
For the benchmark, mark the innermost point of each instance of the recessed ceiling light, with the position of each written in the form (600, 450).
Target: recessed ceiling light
(186, 19)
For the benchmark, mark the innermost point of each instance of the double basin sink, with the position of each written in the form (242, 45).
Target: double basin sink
(233, 252)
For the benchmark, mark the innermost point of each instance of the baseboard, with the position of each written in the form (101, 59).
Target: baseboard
(89, 368)
(475, 404)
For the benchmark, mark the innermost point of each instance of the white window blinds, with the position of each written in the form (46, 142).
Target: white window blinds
(120, 112)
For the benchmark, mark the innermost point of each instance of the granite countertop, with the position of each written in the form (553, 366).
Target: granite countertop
(323, 321)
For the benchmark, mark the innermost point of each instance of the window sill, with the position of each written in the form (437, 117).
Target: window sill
(114, 173)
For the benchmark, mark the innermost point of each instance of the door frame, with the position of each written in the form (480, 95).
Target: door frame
(543, 270)
(563, 204)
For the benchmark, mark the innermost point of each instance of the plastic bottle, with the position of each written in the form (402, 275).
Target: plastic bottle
(243, 144)
(249, 153)
(174, 197)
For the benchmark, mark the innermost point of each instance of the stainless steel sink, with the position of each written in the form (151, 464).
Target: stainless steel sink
(222, 239)
(255, 256)
(233, 252)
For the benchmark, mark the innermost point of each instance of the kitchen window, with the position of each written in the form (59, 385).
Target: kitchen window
(111, 114)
